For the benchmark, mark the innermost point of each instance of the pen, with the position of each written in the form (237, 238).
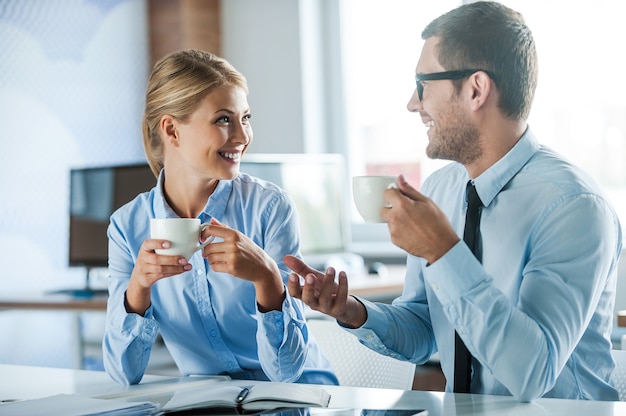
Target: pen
(242, 395)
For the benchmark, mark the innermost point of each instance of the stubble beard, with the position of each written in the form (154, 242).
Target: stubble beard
(455, 138)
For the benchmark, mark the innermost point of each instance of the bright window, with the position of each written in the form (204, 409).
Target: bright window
(381, 46)
(579, 109)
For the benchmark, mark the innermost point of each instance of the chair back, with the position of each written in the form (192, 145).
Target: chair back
(355, 364)
(619, 374)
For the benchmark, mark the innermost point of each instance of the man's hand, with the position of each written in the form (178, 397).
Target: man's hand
(416, 224)
(322, 293)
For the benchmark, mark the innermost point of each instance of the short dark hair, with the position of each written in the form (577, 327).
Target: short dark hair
(489, 35)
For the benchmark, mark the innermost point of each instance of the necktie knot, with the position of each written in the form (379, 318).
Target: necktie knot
(473, 200)
(472, 219)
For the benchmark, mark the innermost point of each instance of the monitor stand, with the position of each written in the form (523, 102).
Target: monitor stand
(85, 292)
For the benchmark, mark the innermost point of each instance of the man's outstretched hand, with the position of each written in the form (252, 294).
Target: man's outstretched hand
(322, 293)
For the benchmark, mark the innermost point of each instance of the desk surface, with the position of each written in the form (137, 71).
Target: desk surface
(60, 302)
(23, 382)
(370, 287)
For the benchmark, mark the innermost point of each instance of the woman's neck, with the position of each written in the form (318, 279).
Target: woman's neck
(188, 198)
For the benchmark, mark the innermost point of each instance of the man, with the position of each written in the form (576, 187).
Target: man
(532, 300)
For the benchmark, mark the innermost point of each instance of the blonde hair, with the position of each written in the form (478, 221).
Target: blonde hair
(176, 86)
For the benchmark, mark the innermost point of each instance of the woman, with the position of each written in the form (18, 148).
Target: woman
(224, 310)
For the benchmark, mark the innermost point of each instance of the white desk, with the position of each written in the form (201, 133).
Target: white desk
(21, 382)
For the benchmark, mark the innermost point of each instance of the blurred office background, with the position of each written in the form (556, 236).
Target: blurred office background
(327, 76)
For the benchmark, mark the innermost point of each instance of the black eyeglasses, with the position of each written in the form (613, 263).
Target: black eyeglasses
(437, 76)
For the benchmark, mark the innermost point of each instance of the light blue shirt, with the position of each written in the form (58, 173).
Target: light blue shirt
(537, 314)
(209, 321)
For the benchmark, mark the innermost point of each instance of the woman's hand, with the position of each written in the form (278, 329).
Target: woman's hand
(149, 269)
(239, 256)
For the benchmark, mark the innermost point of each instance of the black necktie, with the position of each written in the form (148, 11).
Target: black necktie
(462, 357)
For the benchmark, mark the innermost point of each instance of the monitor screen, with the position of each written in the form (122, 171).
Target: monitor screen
(317, 183)
(95, 193)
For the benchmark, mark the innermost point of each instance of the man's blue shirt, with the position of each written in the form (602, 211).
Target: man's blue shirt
(537, 314)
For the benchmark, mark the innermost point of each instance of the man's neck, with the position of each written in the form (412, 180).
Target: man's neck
(499, 140)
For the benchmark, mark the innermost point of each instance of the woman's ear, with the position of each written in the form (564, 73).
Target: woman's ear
(168, 129)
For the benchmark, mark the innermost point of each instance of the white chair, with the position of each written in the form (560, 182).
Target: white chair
(619, 374)
(355, 364)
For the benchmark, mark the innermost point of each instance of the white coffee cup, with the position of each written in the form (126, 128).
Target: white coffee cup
(368, 195)
(183, 234)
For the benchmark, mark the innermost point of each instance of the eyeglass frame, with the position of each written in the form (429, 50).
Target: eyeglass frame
(445, 75)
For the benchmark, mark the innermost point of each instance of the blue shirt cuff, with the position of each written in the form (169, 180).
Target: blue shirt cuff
(376, 318)
(276, 323)
(142, 327)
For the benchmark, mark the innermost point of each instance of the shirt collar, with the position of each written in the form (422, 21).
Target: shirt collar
(214, 208)
(494, 179)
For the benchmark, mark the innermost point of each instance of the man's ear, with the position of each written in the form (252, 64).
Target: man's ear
(480, 85)
(168, 129)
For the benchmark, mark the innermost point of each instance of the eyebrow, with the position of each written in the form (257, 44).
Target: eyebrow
(231, 111)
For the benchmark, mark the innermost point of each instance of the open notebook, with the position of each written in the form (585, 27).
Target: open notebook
(259, 397)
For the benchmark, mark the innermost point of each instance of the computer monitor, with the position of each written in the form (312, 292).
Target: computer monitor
(95, 193)
(319, 187)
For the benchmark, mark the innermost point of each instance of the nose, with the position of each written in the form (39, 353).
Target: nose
(414, 105)
(242, 133)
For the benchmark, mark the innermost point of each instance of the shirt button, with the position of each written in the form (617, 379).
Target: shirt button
(213, 332)
(369, 336)
(435, 286)
(199, 272)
